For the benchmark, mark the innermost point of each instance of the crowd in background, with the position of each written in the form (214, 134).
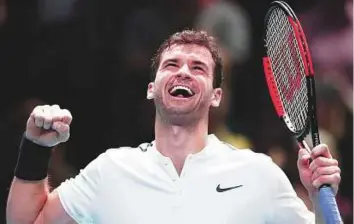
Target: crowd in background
(93, 58)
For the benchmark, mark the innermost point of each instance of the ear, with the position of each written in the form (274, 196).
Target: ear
(150, 91)
(216, 99)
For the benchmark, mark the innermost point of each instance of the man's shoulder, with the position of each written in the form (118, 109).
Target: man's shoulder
(244, 153)
(260, 164)
(126, 152)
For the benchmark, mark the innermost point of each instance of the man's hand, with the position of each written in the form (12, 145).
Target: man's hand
(48, 125)
(323, 169)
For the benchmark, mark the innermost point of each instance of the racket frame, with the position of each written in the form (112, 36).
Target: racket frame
(311, 120)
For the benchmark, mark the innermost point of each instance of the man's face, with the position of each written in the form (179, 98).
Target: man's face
(183, 88)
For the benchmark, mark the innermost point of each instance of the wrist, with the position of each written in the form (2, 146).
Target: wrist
(30, 138)
(33, 160)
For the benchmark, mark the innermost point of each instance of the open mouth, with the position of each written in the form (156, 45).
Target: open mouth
(181, 92)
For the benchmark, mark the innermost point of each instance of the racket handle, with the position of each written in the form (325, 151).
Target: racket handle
(328, 205)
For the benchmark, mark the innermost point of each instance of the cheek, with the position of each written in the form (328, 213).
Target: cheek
(160, 82)
(158, 87)
(206, 85)
(161, 77)
(157, 80)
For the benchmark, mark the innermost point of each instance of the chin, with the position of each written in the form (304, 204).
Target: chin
(177, 105)
(178, 110)
(181, 112)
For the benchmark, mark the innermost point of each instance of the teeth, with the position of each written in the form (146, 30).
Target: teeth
(182, 88)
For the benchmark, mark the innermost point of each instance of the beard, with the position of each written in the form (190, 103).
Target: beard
(180, 113)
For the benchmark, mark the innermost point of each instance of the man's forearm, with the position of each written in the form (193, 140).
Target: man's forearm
(26, 200)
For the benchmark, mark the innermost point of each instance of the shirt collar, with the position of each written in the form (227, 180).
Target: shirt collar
(211, 145)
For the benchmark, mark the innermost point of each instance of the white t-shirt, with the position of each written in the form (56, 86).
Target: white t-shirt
(219, 185)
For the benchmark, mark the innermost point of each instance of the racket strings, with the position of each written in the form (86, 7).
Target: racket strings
(288, 68)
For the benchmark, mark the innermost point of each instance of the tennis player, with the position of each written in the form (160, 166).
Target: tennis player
(184, 176)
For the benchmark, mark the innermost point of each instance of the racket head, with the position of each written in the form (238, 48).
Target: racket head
(288, 68)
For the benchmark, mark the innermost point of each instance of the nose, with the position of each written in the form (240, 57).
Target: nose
(184, 72)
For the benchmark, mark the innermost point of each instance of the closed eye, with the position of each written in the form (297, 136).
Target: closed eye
(171, 64)
(198, 68)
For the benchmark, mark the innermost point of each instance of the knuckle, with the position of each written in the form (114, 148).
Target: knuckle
(36, 108)
(302, 152)
(39, 118)
(319, 150)
(316, 183)
(40, 107)
(66, 112)
(337, 177)
(56, 117)
(315, 175)
(37, 111)
(323, 148)
(45, 107)
(47, 110)
(312, 166)
(55, 106)
(317, 162)
(63, 128)
(54, 109)
(67, 117)
(47, 120)
(38, 115)
(322, 161)
(320, 170)
(338, 169)
(322, 179)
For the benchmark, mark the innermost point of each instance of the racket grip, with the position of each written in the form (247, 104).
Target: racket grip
(328, 205)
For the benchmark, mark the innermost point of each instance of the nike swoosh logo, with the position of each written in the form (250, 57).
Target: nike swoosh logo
(219, 189)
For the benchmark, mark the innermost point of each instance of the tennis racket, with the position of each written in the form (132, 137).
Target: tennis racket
(290, 79)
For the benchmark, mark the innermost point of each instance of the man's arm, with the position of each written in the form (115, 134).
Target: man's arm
(286, 206)
(323, 169)
(31, 202)
(71, 202)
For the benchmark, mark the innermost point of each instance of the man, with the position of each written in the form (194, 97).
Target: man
(183, 176)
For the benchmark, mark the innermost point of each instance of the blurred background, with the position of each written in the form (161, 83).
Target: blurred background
(93, 58)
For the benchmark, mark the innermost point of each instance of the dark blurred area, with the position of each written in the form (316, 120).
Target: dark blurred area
(93, 58)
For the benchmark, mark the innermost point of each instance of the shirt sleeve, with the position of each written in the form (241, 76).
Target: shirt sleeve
(286, 206)
(77, 194)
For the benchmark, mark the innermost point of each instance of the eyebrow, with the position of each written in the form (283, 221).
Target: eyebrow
(194, 62)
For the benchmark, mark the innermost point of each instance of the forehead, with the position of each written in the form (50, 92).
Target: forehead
(189, 52)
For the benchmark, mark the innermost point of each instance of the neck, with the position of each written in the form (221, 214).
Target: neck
(177, 142)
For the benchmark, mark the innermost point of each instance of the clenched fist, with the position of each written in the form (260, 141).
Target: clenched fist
(48, 125)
